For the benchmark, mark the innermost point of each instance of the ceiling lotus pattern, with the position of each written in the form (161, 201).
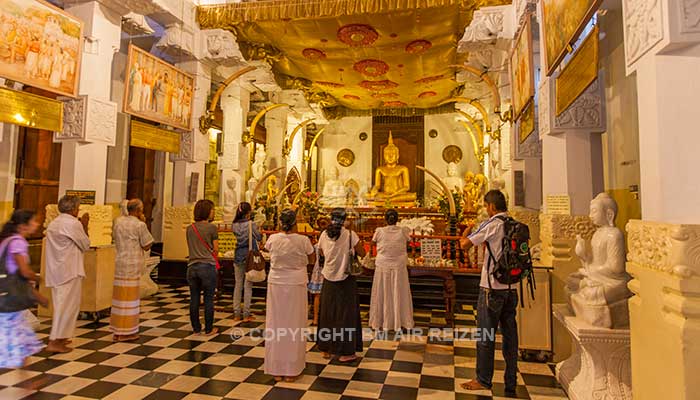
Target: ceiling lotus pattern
(351, 54)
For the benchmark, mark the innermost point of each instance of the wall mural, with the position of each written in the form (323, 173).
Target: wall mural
(40, 45)
(157, 91)
(563, 22)
(522, 70)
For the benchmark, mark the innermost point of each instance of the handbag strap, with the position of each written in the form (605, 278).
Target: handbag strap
(194, 228)
(4, 247)
(250, 236)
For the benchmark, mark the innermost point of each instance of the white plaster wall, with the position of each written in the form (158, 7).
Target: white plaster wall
(450, 132)
(345, 133)
(8, 163)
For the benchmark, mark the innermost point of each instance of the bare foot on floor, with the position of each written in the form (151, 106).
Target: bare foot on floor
(325, 355)
(345, 359)
(213, 332)
(56, 347)
(473, 385)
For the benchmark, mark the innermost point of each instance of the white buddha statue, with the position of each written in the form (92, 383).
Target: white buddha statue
(230, 200)
(252, 183)
(500, 184)
(452, 180)
(259, 163)
(334, 192)
(598, 292)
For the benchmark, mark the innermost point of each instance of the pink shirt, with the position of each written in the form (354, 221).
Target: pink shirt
(16, 245)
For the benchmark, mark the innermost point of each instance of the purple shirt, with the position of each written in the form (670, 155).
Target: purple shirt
(17, 245)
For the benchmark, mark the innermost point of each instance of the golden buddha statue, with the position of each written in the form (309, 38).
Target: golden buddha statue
(391, 181)
(272, 190)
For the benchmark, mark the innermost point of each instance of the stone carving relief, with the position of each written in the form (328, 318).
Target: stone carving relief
(485, 28)
(524, 7)
(101, 121)
(135, 25)
(176, 41)
(73, 118)
(531, 218)
(531, 147)
(100, 226)
(643, 27)
(186, 147)
(558, 234)
(690, 10)
(219, 46)
(587, 112)
(175, 222)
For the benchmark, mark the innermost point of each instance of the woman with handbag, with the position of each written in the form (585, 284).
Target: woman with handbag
(17, 339)
(287, 302)
(203, 245)
(339, 327)
(391, 306)
(247, 238)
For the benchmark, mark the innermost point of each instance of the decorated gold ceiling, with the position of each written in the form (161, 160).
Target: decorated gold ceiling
(353, 56)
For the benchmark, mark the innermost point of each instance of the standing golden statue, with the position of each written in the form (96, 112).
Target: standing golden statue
(392, 181)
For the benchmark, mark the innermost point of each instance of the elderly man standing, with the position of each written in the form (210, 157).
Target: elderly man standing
(66, 241)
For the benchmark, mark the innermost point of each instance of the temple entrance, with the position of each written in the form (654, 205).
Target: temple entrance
(38, 172)
(141, 179)
(408, 136)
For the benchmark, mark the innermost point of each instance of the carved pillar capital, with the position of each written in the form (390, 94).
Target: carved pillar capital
(88, 119)
(558, 235)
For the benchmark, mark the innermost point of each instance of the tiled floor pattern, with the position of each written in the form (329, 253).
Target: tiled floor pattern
(168, 362)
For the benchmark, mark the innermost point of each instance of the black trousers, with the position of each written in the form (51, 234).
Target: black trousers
(339, 324)
(496, 309)
(202, 278)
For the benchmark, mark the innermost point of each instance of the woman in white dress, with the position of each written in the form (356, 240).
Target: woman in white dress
(287, 302)
(391, 306)
(136, 83)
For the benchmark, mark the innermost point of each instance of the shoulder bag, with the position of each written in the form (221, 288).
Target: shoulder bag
(255, 262)
(354, 264)
(216, 256)
(16, 292)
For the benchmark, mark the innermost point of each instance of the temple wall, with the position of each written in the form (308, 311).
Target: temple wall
(345, 133)
(450, 132)
(8, 160)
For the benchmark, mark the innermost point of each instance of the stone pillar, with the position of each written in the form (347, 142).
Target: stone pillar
(234, 161)
(84, 149)
(572, 166)
(276, 125)
(296, 154)
(661, 46)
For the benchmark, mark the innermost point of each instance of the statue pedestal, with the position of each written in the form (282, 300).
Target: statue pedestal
(147, 286)
(600, 365)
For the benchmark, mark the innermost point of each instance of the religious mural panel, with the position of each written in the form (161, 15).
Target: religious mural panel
(522, 70)
(157, 91)
(40, 45)
(563, 22)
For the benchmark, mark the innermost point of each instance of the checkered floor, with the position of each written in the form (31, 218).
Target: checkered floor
(169, 363)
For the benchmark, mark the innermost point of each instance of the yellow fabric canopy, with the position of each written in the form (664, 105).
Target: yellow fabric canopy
(352, 54)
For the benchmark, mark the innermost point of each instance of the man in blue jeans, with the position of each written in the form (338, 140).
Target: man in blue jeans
(497, 303)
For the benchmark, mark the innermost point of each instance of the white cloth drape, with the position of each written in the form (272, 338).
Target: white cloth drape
(285, 322)
(66, 306)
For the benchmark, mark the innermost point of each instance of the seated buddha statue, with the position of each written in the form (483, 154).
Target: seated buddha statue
(598, 292)
(391, 181)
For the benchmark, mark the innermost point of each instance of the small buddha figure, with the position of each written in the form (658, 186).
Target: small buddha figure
(391, 181)
(258, 168)
(252, 183)
(453, 181)
(333, 194)
(598, 292)
(272, 190)
(229, 200)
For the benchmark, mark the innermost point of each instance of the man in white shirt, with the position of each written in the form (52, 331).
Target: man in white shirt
(66, 241)
(497, 302)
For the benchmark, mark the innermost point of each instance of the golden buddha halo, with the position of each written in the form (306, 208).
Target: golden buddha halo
(451, 154)
(345, 157)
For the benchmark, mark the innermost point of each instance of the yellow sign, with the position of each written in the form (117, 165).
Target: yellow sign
(150, 137)
(26, 109)
(578, 74)
(559, 204)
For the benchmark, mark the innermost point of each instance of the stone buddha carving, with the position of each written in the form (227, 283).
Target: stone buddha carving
(598, 292)
(453, 181)
(230, 200)
(391, 181)
(258, 168)
(252, 183)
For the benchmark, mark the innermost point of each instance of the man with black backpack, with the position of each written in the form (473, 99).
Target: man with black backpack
(498, 299)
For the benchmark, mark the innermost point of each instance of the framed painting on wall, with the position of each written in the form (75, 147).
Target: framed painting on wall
(522, 70)
(157, 91)
(563, 22)
(40, 46)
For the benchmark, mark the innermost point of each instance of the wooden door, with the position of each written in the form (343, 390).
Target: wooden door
(141, 179)
(408, 134)
(38, 172)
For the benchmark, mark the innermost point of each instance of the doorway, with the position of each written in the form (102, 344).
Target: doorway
(141, 180)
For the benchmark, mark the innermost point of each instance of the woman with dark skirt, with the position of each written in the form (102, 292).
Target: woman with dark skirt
(339, 327)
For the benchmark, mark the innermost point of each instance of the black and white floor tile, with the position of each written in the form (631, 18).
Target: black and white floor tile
(168, 362)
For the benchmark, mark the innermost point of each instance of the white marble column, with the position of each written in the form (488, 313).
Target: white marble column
(662, 45)
(84, 158)
(276, 125)
(233, 163)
